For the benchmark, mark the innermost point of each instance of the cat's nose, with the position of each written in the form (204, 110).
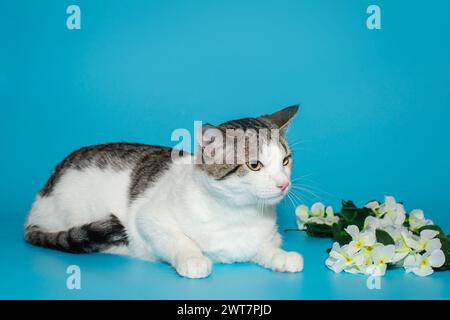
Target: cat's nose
(283, 186)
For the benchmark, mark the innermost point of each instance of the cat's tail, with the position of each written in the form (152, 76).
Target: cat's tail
(92, 237)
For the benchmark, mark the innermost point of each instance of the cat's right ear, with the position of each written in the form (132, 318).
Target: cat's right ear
(282, 119)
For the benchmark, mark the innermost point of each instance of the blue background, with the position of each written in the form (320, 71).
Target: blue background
(374, 121)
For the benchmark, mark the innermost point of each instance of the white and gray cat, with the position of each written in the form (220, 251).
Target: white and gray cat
(134, 199)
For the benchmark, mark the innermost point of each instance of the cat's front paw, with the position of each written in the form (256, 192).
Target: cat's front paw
(287, 262)
(194, 267)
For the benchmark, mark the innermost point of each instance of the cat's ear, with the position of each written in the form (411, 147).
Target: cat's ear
(283, 118)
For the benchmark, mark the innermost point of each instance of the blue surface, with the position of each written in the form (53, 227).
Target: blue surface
(374, 121)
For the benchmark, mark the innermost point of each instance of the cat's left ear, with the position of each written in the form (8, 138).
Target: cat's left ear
(283, 118)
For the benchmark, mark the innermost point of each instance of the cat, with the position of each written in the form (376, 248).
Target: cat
(135, 199)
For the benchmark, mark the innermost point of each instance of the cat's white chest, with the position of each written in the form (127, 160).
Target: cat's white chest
(233, 237)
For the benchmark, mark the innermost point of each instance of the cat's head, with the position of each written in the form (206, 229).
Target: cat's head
(248, 160)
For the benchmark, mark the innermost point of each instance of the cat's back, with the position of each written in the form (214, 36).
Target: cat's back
(95, 181)
(115, 157)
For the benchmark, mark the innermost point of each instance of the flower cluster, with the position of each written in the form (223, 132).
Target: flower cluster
(386, 235)
(318, 214)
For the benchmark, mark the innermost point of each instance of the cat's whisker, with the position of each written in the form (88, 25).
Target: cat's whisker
(310, 184)
(306, 190)
(303, 177)
(259, 207)
(315, 188)
(260, 204)
(300, 198)
(298, 141)
(290, 199)
(295, 196)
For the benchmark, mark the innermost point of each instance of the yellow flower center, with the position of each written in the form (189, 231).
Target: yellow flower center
(382, 261)
(348, 259)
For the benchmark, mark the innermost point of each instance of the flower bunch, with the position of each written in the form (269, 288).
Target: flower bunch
(318, 214)
(370, 239)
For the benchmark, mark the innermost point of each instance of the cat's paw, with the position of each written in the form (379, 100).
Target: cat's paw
(194, 267)
(287, 262)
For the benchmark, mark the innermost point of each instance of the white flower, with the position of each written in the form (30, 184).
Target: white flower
(422, 265)
(330, 218)
(393, 213)
(302, 214)
(372, 223)
(401, 250)
(374, 205)
(360, 239)
(344, 258)
(418, 254)
(427, 240)
(318, 214)
(395, 232)
(368, 252)
(417, 220)
(382, 255)
(318, 209)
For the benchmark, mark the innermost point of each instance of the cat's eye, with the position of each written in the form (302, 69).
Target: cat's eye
(254, 165)
(286, 160)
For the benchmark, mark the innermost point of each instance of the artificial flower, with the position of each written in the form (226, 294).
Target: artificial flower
(330, 217)
(372, 223)
(318, 209)
(360, 239)
(427, 240)
(390, 210)
(417, 220)
(302, 215)
(317, 214)
(382, 255)
(344, 258)
(418, 254)
(393, 213)
(368, 250)
(394, 231)
(401, 250)
(422, 265)
(374, 205)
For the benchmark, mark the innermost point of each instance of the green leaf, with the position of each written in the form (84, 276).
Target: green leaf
(339, 234)
(355, 216)
(348, 204)
(406, 223)
(383, 237)
(318, 230)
